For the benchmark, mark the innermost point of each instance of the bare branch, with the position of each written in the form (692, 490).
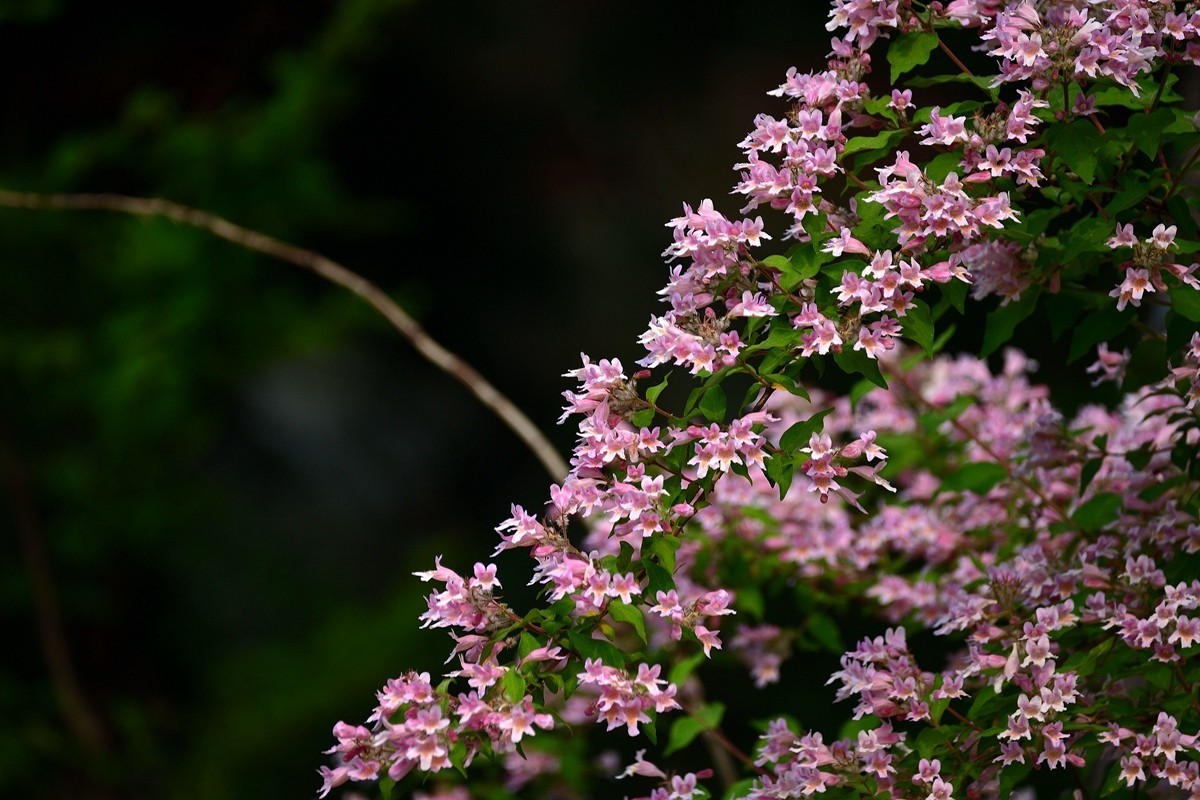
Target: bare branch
(332, 271)
(84, 721)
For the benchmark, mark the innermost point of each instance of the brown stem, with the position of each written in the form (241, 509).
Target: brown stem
(85, 723)
(945, 49)
(328, 269)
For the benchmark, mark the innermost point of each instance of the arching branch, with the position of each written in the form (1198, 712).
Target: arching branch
(328, 269)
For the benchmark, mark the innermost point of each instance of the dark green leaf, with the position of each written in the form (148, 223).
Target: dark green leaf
(981, 82)
(1098, 512)
(1155, 491)
(657, 578)
(713, 404)
(1099, 326)
(1181, 215)
(804, 263)
(825, 631)
(1087, 236)
(1186, 302)
(857, 362)
(1079, 145)
(917, 324)
(629, 614)
(1002, 322)
(750, 601)
(513, 686)
(932, 741)
(1011, 776)
(1090, 468)
(663, 546)
(942, 165)
(799, 434)
(654, 391)
(1146, 129)
(1063, 309)
(1129, 196)
(680, 671)
(909, 51)
(739, 789)
(881, 141)
(780, 470)
(587, 647)
(685, 729)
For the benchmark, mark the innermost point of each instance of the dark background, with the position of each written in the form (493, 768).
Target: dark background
(223, 469)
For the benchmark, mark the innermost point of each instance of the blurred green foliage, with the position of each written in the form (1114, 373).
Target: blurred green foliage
(123, 343)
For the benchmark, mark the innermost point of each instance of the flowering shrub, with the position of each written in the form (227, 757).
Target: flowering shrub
(1052, 550)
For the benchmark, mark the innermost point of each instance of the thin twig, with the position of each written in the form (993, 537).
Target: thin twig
(85, 723)
(961, 66)
(332, 271)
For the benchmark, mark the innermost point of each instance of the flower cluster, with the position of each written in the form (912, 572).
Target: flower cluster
(1051, 548)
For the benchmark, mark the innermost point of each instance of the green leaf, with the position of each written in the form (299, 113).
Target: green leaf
(739, 789)
(683, 669)
(1087, 236)
(657, 578)
(799, 434)
(978, 477)
(1090, 468)
(1149, 494)
(1146, 129)
(686, 729)
(654, 391)
(858, 362)
(917, 324)
(825, 631)
(663, 546)
(802, 262)
(1011, 776)
(1181, 215)
(713, 404)
(852, 727)
(932, 741)
(937, 708)
(1114, 782)
(1098, 512)
(1099, 326)
(981, 82)
(1130, 195)
(909, 51)
(1186, 302)
(750, 600)
(1063, 309)
(630, 615)
(527, 644)
(1002, 322)
(942, 165)
(683, 731)
(583, 644)
(880, 141)
(956, 293)
(1079, 145)
(780, 470)
(513, 686)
